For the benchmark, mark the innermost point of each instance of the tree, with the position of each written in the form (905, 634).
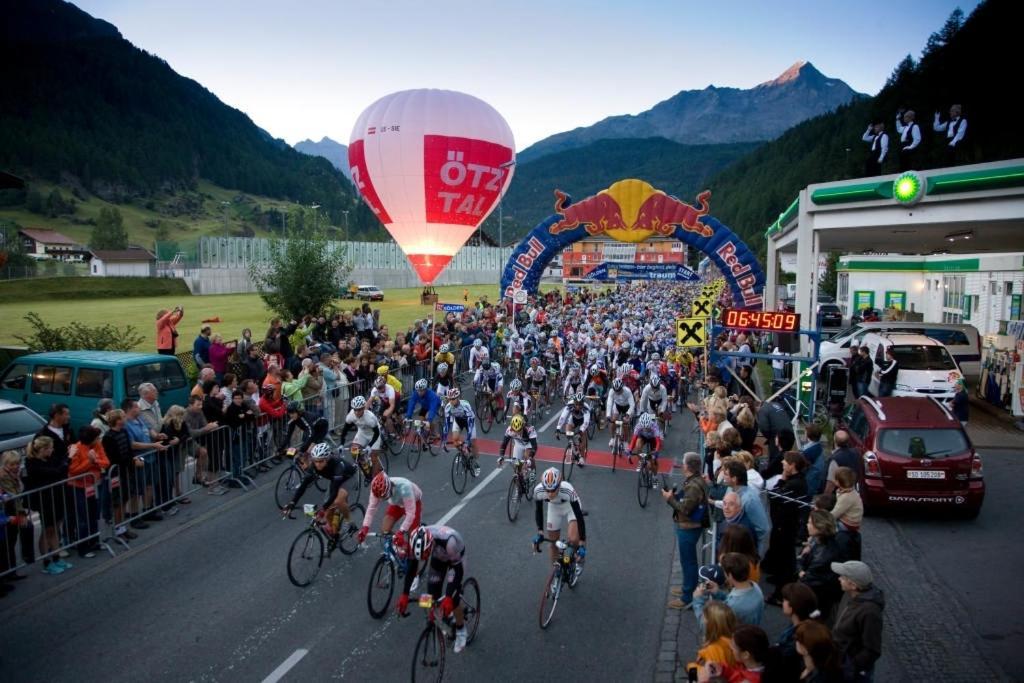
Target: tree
(830, 280)
(109, 232)
(944, 35)
(903, 70)
(304, 274)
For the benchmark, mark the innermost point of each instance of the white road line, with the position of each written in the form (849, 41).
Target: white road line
(469, 496)
(286, 666)
(553, 418)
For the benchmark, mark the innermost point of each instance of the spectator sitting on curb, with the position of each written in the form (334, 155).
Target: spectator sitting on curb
(858, 625)
(744, 597)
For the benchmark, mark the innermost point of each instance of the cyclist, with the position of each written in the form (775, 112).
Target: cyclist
(536, 378)
(489, 376)
(444, 355)
(393, 382)
(517, 400)
(620, 406)
(478, 354)
(444, 548)
(574, 381)
(563, 508)
(553, 354)
(425, 401)
(444, 379)
(578, 415)
(459, 418)
(404, 501)
(384, 401)
(336, 470)
(367, 428)
(654, 398)
(647, 433)
(524, 441)
(311, 433)
(655, 366)
(672, 387)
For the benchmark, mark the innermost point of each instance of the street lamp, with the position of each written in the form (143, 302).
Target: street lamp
(316, 215)
(345, 213)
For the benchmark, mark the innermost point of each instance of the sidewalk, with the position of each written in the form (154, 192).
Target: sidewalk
(992, 427)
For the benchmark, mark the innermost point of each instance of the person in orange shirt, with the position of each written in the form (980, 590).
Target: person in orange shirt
(87, 457)
(719, 625)
(166, 332)
(273, 379)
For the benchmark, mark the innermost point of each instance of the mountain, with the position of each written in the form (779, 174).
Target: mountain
(329, 149)
(83, 107)
(717, 115)
(681, 170)
(957, 66)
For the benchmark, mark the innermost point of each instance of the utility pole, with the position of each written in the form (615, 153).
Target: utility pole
(501, 217)
(316, 215)
(345, 213)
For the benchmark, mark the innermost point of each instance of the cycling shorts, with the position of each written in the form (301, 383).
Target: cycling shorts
(438, 574)
(558, 516)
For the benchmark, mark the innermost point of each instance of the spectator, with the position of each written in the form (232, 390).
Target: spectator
(849, 508)
(751, 648)
(58, 430)
(206, 374)
(843, 456)
(816, 560)
(152, 415)
(241, 420)
(314, 382)
(820, 657)
(99, 416)
(146, 452)
(118, 447)
(754, 478)
(817, 464)
(858, 625)
(785, 503)
(958, 405)
(690, 513)
(879, 139)
(778, 364)
(739, 539)
(87, 458)
(747, 427)
(735, 474)
(227, 387)
(744, 597)
(44, 472)
(244, 343)
(176, 435)
(742, 383)
(887, 373)
(219, 353)
(213, 402)
(799, 604)
(273, 379)
(910, 140)
(199, 429)
(166, 330)
(291, 387)
(19, 520)
(252, 365)
(719, 625)
(772, 419)
(201, 346)
(732, 511)
(955, 129)
(860, 372)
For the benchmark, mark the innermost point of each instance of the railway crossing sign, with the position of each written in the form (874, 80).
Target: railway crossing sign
(691, 332)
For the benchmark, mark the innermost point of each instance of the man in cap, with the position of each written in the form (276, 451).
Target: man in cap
(858, 627)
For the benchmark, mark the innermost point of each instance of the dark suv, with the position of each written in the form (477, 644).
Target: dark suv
(915, 454)
(830, 315)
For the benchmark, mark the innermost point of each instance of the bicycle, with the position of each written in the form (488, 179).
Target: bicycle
(520, 487)
(594, 405)
(313, 543)
(392, 437)
(618, 442)
(423, 441)
(485, 407)
(645, 477)
(291, 477)
(461, 466)
(571, 455)
(386, 570)
(428, 657)
(566, 571)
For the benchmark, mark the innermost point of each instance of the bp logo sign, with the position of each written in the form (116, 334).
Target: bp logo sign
(908, 188)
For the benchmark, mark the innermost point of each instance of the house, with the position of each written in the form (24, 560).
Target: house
(41, 242)
(130, 262)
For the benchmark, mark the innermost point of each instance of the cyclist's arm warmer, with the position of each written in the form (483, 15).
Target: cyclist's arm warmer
(307, 441)
(308, 479)
(376, 433)
(344, 431)
(578, 511)
(533, 444)
(504, 445)
(539, 513)
(633, 441)
(657, 444)
(409, 503)
(410, 575)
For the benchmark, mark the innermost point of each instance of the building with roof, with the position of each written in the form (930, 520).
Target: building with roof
(130, 262)
(41, 242)
(579, 258)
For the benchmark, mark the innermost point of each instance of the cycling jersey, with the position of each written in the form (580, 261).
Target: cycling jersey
(311, 434)
(405, 500)
(337, 471)
(572, 384)
(448, 358)
(654, 400)
(651, 436)
(493, 378)
(460, 418)
(444, 383)
(579, 420)
(527, 436)
(564, 507)
(622, 401)
(367, 429)
(428, 404)
(536, 377)
(477, 355)
(520, 398)
(386, 394)
(446, 554)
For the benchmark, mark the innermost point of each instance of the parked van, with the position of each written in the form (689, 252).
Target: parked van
(81, 378)
(926, 368)
(962, 341)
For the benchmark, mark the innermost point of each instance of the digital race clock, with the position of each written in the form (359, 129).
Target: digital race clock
(760, 321)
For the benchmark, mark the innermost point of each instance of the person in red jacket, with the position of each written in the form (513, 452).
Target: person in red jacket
(166, 330)
(271, 407)
(87, 457)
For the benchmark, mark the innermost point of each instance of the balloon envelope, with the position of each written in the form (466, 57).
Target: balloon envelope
(432, 165)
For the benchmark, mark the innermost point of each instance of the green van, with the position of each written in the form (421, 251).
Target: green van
(81, 378)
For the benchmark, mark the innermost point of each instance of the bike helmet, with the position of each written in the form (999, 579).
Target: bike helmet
(495, 367)
(358, 403)
(421, 543)
(454, 393)
(617, 384)
(294, 407)
(380, 382)
(655, 356)
(578, 398)
(655, 381)
(383, 370)
(534, 362)
(478, 343)
(516, 385)
(381, 486)
(517, 423)
(645, 421)
(551, 479)
(321, 451)
(442, 368)
(445, 348)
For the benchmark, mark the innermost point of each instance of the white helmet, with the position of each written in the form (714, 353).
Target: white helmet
(358, 402)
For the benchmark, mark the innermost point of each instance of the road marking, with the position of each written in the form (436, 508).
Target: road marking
(286, 666)
(553, 418)
(469, 496)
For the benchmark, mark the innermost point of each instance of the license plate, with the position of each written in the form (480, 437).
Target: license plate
(926, 474)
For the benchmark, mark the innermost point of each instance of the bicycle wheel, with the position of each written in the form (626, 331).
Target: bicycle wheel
(514, 500)
(412, 456)
(460, 471)
(591, 430)
(381, 588)
(616, 451)
(385, 461)
(347, 541)
(549, 599)
(567, 463)
(287, 483)
(643, 485)
(305, 557)
(396, 443)
(486, 415)
(428, 660)
(471, 608)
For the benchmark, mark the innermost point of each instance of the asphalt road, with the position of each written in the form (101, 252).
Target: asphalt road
(213, 603)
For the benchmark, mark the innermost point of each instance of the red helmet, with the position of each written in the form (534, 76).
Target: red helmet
(421, 543)
(381, 486)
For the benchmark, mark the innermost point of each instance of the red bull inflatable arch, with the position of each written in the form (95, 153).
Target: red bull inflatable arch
(631, 211)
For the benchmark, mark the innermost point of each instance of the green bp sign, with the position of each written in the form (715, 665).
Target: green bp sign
(908, 188)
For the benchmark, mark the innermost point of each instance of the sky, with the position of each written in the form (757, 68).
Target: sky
(308, 68)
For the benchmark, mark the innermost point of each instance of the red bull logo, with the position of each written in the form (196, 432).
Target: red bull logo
(631, 211)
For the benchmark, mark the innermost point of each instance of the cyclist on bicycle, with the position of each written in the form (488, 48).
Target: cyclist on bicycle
(672, 387)
(489, 377)
(404, 500)
(336, 470)
(620, 406)
(517, 400)
(367, 428)
(654, 398)
(597, 378)
(578, 415)
(647, 433)
(384, 401)
(478, 355)
(553, 354)
(460, 419)
(423, 403)
(563, 508)
(444, 380)
(536, 378)
(524, 441)
(444, 549)
(393, 382)
(444, 355)
(574, 381)
(311, 433)
(655, 366)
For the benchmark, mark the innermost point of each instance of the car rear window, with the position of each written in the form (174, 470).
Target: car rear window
(19, 422)
(164, 376)
(922, 357)
(922, 443)
(948, 337)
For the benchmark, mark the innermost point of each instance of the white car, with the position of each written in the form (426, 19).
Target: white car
(926, 368)
(369, 293)
(961, 340)
(18, 424)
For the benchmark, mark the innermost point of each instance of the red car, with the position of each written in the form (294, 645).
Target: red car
(915, 454)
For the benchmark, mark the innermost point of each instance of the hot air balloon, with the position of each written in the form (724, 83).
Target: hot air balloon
(432, 165)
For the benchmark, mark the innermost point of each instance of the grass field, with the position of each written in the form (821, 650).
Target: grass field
(236, 311)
